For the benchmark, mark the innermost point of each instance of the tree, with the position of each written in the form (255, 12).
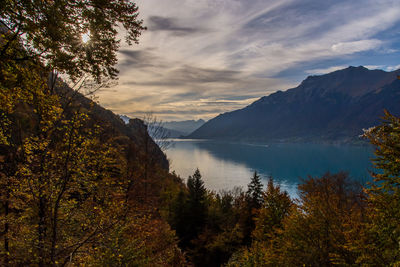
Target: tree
(321, 229)
(189, 210)
(276, 207)
(153, 135)
(51, 32)
(64, 183)
(382, 240)
(219, 233)
(56, 174)
(179, 213)
(144, 241)
(59, 179)
(254, 200)
(269, 225)
(197, 205)
(156, 131)
(255, 192)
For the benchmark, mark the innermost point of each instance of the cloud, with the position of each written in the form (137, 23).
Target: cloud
(134, 60)
(393, 68)
(356, 46)
(374, 67)
(172, 25)
(190, 75)
(200, 58)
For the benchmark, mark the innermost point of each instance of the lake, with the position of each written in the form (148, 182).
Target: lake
(224, 165)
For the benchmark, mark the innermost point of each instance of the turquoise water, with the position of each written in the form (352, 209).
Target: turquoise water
(226, 165)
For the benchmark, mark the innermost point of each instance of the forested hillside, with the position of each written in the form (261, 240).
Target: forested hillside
(77, 185)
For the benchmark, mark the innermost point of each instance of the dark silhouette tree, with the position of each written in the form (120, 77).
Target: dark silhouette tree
(178, 219)
(189, 211)
(269, 225)
(255, 192)
(254, 200)
(51, 32)
(196, 202)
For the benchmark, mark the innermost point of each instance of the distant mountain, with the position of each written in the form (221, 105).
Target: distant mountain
(175, 129)
(334, 107)
(183, 127)
(160, 132)
(174, 133)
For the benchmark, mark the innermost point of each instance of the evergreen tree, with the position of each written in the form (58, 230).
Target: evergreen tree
(179, 218)
(255, 192)
(253, 201)
(197, 207)
(268, 226)
(189, 210)
(197, 191)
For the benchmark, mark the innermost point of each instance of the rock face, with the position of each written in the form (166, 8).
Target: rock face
(334, 107)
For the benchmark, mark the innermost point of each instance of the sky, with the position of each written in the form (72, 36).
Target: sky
(201, 58)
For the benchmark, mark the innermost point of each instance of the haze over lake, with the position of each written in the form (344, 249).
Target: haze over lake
(225, 165)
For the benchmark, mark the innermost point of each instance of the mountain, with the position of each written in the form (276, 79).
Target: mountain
(174, 133)
(334, 107)
(132, 134)
(174, 129)
(183, 127)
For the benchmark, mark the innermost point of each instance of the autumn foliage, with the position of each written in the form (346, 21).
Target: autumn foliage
(79, 187)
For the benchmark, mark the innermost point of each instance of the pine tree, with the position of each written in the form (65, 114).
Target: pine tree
(253, 201)
(197, 207)
(197, 191)
(179, 217)
(255, 192)
(269, 225)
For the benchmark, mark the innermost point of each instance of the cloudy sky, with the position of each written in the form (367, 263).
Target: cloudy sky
(200, 58)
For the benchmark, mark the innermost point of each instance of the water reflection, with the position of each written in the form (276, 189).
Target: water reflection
(225, 165)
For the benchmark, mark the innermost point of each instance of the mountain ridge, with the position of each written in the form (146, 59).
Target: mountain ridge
(333, 107)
